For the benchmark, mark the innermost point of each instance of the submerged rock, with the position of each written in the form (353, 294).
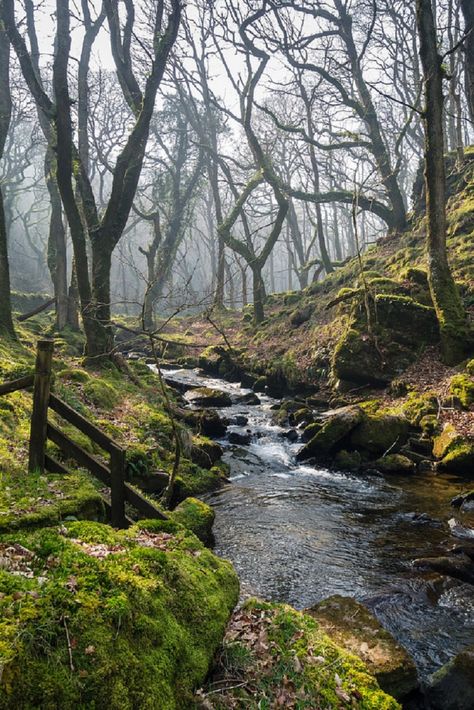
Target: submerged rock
(207, 397)
(338, 426)
(452, 687)
(249, 399)
(352, 626)
(459, 566)
(235, 437)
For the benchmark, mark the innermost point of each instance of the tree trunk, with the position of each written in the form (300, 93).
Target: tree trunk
(258, 294)
(449, 310)
(57, 253)
(467, 7)
(100, 343)
(73, 300)
(6, 321)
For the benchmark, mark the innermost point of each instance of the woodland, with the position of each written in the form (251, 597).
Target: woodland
(237, 354)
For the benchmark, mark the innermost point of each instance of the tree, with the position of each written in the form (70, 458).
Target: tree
(467, 7)
(103, 230)
(6, 321)
(447, 302)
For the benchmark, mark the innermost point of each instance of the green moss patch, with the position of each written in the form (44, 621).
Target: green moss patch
(196, 516)
(32, 500)
(90, 617)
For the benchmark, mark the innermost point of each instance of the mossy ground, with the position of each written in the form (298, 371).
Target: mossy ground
(95, 618)
(274, 656)
(133, 414)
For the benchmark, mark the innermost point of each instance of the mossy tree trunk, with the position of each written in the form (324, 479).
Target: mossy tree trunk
(6, 321)
(447, 302)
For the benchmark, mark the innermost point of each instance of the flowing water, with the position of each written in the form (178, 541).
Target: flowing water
(297, 533)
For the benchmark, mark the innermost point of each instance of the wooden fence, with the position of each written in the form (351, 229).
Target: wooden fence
(112, 476)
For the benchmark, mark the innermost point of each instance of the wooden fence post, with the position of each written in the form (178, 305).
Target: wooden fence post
(117, 486)
(39, 416)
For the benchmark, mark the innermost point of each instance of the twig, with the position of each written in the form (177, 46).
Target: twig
(69, 647)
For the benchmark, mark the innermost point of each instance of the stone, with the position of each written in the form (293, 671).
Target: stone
(452, 687)
(239, 420)
(352, 626)
(311, 430)
(291, 435)
(377, 433)
(239, 439)
(395, 463)
(444, 441)
(250, 398)
(207, 397)
(348, 460)
(152, 482)
(338, 426)
(205, 452)
(463, 498)
(260, 384)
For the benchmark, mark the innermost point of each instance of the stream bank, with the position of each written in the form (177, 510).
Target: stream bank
(298, 533)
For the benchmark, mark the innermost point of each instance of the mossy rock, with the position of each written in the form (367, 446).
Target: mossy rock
(352, 626)
(101, 394)
(348, 460)
(459, 459)
(287, 660)
(395, 463)
(377, 433)
(208, 397)
(311, 430)
(418, 406)
(100, 618)
(74, 374)
(462, 387)
(470, 367)
(205, 452)
(334, 430)
(452, 687)
(196, 516)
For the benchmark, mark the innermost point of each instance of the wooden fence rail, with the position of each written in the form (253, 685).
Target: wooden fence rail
(112, 476)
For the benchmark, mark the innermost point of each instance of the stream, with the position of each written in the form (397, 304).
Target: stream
(298, 534)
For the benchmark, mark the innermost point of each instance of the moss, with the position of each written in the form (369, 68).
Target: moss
(205, 452)
(111, 619)
(462, 387)
(30, 500)
(196, 516)
(76, 375)
(470, 367)
(286, 660)
(419, 406)
(445, 440)
(101, 394)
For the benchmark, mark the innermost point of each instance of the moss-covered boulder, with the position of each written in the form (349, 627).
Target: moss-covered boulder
(462, 387)
(455, 451)
(335, 429)
(274, 656)
(377, 433)
(400, 328)
(197, 516)
(205, 452)
(395, 463)
(101, 394)
(352, 626)
(452, 687)
(91, 617)
(207, 397)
